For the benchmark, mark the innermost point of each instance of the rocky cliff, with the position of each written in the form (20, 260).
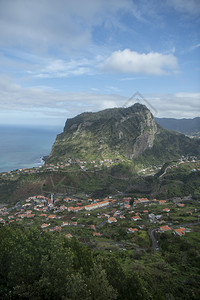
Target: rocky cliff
(124, 133)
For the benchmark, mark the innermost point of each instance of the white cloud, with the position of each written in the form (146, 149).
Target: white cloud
(47, 105)
(14, 97)
(63, 24)
(61, 68)
(45, 67)
(128, 61)
(191, 7)
(113, 89)
(190, 49)
(194, 47)
(188, 95)
(66, 25)
(178, 105)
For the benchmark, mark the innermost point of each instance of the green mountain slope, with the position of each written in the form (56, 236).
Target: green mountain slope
(124, 133)
(169, 145)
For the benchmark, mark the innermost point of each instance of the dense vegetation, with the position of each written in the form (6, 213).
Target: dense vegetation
(129, 134)
(168, 146)
(35, 265)
(178, 184)
(121, 177)
(47, 266)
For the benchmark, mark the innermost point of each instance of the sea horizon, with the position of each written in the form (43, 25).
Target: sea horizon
(25, 146)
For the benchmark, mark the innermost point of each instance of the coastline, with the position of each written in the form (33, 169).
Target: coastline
(25, 147)
(8, 168)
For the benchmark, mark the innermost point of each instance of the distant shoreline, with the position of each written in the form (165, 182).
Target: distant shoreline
(26, 165)
(44, 158)
(24, 147)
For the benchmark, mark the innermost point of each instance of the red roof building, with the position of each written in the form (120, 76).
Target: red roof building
(136, 218)
(180, 231)
(96, 234)
(112, 220)
(132, 230)
(164, 228)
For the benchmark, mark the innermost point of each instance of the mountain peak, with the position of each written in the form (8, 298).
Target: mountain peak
(126, 133)
(122, 132)
(109, 113)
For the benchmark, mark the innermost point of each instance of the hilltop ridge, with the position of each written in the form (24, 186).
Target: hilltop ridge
(186, 126)
(129, 133)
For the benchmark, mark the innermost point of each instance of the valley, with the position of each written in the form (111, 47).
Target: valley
(116, 202)
(155, 239)
(105, 224)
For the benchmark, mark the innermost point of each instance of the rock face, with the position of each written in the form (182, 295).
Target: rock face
(112, 133)
(119, 133)
(145, 140)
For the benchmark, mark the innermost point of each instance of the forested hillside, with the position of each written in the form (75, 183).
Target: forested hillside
(35, 265)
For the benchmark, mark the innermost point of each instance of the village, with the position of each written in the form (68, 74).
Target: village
(120, 223)
(191, 163)
(113, 223)
(68, 166)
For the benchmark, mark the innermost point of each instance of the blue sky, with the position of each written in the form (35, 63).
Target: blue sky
(59, 58)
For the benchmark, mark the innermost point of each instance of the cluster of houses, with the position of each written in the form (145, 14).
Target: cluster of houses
(191, 161)
(81, 163)
(53, 213)
(192, 164)
(61, 165)
(179, 231)
(49, 209)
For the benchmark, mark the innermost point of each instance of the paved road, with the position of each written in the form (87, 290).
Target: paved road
(165, 171)
(154, 241)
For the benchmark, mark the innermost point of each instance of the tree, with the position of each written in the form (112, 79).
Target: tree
(99, 286)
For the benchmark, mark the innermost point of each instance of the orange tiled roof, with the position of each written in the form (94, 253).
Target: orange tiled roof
(52, 217)
(143, 200)
(180, 231)
(30, 215)
(43, 215)
(96, 234)
(44, 225)
(162, 201)
(65, 224)
(111, 219)
(165, 228)
(68, 235)
(132, 229)
(136, 218)
(96, 204)
(166, 209)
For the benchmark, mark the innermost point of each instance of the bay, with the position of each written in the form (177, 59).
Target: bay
(24, 147)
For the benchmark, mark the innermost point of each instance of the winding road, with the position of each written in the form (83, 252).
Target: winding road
(154, 241)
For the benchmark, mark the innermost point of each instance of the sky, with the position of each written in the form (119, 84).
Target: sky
(59, 58)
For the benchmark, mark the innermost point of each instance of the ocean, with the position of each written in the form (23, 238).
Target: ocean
(24, 147)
